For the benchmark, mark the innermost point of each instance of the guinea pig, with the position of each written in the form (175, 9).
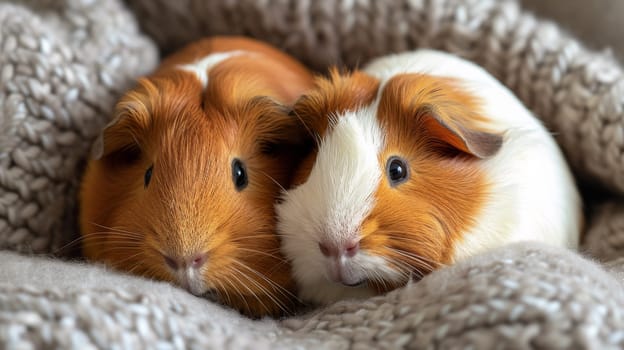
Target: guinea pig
(182, 182)
(422, 159)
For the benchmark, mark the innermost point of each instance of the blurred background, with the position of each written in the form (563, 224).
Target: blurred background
(598, 23)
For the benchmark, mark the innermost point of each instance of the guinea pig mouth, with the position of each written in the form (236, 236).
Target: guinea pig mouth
(356, 284)
(212, 295)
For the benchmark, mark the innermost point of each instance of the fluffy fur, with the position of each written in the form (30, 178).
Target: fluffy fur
(483, 173)
(215, 101)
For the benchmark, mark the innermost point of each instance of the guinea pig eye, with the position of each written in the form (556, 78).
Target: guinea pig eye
(397, 171)
(239, 175)
(148, 175)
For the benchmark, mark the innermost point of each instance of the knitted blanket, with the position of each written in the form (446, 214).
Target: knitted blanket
(63, 63)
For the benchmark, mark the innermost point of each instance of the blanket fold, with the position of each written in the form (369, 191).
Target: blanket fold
(524, 295)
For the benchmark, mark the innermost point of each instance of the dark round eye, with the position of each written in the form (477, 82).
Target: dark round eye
(148, 175)
(239, 175)
(397, 170)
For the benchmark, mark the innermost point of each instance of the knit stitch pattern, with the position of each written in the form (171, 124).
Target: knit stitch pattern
(521, 296)
(64, 63)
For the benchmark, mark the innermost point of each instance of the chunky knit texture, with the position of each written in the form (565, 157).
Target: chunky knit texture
(521, 296)
(64, 63)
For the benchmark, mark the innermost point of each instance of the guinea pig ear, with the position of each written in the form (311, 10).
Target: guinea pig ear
(131, 119)
(278, 126)
(457, 134)
(99, 150)
(443, 110)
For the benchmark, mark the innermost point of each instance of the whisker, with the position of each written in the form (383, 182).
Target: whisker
(246, 287)
(114, 250)
(71, 244)
(238, 239)
(111, 233)
(274, 181)
(277, 266)
(374, 276)
(280, 289)
(408, 269)
(110, 240)
(263, 289)
(418, 261)
(404, 269)
(228, 281)
(261, 252)
(128, 258)
(115, 229)
(84, 238)
(314, 136)
(221, 287)
(416, 256)
(266, 292)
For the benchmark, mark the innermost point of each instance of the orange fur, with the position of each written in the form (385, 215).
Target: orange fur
(438, 129)
(190, 136)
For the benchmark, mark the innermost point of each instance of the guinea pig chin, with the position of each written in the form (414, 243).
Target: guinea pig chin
(188, 272)
(325, 279)
(192, 280)
(353, 271)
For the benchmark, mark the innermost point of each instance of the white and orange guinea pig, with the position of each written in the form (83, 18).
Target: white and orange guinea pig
(422, 159)
(184, 178)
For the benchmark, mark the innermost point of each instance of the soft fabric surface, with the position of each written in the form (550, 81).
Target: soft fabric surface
(63, 64)
(523, 296)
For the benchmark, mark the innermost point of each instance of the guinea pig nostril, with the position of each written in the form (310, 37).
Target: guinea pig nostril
(352, 248)
(171, 262)
(324, 249)
(198, 260)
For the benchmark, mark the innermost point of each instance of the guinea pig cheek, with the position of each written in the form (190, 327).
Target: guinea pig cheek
(384, 276)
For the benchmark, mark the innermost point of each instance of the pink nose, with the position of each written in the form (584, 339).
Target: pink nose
(194, 261)
(348, 249)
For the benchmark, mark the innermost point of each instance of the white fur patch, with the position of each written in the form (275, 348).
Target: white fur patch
(192, 280)
(331, 208)
(315, 284)
(349, 152)
(202, 67)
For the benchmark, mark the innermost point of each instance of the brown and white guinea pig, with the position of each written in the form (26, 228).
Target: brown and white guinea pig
(184, 179)
(422, 159)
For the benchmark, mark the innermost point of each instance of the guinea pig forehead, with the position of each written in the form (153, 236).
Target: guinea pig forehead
(334, 97)
(160, 98)
(234, 82)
